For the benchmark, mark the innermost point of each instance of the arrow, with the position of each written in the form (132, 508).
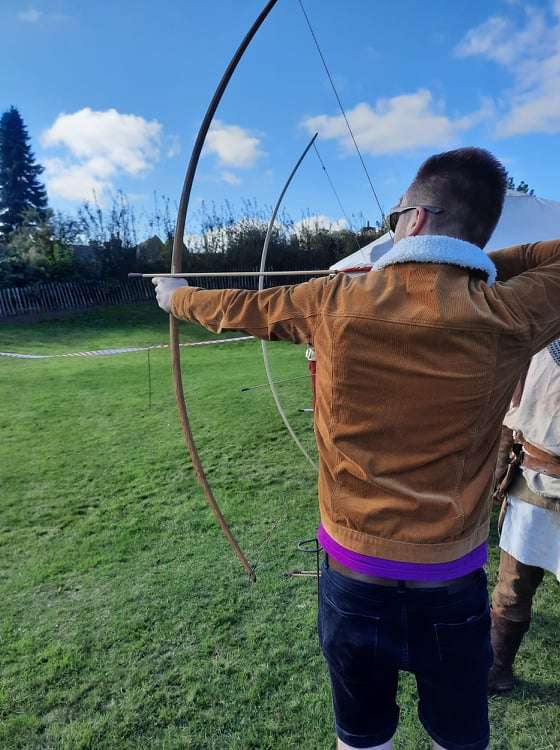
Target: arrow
(252, 274)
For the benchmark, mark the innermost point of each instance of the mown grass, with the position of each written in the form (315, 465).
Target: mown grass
(125, 620)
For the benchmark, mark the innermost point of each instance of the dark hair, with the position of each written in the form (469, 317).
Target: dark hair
(470, 184)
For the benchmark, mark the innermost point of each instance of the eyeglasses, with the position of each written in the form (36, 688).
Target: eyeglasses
(395, 213)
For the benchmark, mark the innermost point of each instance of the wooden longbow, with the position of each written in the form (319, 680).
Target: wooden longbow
(176, 266)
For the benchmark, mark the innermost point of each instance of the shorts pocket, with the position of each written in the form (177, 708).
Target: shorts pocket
(467, 642)
(348, 640)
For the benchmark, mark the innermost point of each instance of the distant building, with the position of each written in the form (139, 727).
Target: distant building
(369, 230)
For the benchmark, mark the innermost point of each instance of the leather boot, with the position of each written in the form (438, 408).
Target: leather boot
(506, 638)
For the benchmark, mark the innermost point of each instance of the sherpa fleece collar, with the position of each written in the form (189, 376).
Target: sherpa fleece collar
(426, 248)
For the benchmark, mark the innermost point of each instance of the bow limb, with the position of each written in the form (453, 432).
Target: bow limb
(176, 265)
(264, 344)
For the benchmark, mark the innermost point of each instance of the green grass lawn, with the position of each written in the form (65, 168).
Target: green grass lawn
(125, 620)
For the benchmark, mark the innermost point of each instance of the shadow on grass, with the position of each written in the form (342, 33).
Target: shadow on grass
(545, 624)
(543, 693)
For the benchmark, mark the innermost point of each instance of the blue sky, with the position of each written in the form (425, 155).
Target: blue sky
(112, 94)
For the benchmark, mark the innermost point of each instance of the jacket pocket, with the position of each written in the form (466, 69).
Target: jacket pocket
(349, 640)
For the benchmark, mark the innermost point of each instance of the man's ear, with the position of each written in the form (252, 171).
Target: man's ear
(418, 222)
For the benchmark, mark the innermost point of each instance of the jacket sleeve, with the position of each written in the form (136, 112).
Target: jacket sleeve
(529, 288)
(286, 312)
(519, 259)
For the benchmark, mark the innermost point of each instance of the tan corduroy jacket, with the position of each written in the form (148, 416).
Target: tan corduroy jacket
(416, 366)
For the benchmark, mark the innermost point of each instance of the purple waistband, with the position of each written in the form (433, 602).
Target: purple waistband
(401, 571)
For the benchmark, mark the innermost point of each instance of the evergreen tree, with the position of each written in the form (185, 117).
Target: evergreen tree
(522, 187)
(20, 188)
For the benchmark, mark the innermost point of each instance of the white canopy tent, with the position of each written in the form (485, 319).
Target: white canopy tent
(525, 218)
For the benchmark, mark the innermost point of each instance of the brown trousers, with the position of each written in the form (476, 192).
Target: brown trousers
(515, 588)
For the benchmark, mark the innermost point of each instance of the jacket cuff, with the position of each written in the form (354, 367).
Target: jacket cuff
(180, 302)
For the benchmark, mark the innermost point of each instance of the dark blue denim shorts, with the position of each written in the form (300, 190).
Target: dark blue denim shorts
(369, 632)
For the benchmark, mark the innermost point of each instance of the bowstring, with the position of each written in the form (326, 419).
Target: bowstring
(336, 195)
(342, 110)
(276, 524)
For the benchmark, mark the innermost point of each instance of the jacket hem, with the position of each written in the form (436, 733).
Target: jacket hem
(400, 551)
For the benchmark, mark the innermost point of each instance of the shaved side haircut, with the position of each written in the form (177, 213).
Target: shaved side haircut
(470, 185)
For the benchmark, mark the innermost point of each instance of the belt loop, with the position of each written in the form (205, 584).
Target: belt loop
(401, 586)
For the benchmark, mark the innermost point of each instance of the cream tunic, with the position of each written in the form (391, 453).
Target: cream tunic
(532, 534)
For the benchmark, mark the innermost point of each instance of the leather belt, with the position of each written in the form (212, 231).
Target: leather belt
(537, 459)
(455, 584)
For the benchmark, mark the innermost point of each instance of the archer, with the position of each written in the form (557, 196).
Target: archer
(417, 361)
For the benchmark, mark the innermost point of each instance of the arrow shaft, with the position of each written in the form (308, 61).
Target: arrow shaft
(230, 274)
(265, 385)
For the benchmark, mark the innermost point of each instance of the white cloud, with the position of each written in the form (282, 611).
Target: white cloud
(481, 40)
(319, 221)
(534, 112)
(173, 146)
(97, 147)
(234, 146)
(531, 52)
(230, 178)
(499, 40)
(31, 15)
(400, 123)
(212, 240)
(128, 141)
(75, 182)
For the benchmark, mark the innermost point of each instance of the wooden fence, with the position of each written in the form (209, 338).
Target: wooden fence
(55, 297)
(71, 295)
